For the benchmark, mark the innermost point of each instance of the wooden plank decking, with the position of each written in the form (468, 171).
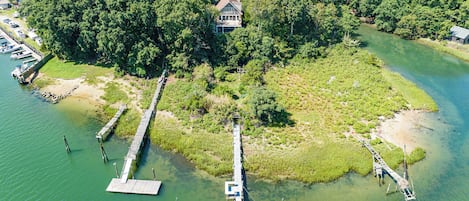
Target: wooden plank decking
(102, 134)
(133, 186)
(235, 189)
(123, 184)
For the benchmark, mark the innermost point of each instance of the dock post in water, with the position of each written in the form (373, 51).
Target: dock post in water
(103, 153)
(154, 175)
(117, 171)
(67, 147)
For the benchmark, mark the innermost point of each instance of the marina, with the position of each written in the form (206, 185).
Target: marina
(23, 72)
(21, 55)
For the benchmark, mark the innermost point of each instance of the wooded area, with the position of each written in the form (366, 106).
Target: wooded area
(140, 37)
(413, 19)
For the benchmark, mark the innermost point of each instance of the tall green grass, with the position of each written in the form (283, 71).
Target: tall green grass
(461, 53)
(417, 98)
(326, 98)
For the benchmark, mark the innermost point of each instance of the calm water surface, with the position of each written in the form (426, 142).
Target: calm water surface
(35, 166)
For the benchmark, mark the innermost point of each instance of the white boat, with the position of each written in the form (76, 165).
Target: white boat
(9, 48)
(20, 55)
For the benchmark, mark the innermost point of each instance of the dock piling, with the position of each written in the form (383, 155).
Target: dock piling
(117, 171)
(67, 147)
(103, 153)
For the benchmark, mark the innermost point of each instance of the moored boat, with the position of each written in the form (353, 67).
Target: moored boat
(9, 48)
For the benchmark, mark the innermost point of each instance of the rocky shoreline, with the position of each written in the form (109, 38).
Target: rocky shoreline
(52, 97)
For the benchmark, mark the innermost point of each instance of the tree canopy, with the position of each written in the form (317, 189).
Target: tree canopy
(412, 19)
(141, 37)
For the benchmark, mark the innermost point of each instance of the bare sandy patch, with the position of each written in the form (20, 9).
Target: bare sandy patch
(403, 129)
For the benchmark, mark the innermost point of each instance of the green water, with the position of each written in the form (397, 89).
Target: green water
(35, 166)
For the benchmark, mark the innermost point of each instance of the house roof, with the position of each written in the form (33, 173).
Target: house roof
(4, 2)
(459, 32)
(236, 3)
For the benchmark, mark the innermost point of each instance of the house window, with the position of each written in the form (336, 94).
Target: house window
(219, 17)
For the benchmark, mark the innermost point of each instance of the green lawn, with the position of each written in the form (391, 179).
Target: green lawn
(56, 68)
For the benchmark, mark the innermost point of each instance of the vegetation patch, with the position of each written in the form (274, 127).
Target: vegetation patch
(211, 152)
(416, 97)
(322, 100)
(457, 50)
(114, 94)
(56, 68)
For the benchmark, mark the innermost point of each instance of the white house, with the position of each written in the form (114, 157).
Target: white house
(4, 4)
(231, 13)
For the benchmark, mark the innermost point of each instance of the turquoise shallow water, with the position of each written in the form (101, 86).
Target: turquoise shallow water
(35, 166)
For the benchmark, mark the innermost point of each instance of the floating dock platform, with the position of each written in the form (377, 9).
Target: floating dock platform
(133, 186)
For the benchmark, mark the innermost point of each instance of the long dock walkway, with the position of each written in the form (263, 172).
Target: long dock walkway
(123, 184)
(104, 132)
(235, 189)
(380, 167)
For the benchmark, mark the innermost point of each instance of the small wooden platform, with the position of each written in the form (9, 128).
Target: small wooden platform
(133, 186)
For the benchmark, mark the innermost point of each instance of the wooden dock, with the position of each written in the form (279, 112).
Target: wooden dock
(235, 189)
(138, 186)
(132, 186)
(104, 132)
(381, 167)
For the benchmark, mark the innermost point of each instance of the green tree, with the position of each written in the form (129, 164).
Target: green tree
(407, 27)
(254, 73)
(388, 14)
(263, 104)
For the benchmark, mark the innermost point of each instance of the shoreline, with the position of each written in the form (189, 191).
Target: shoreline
(449, 47)
(399, 130)
(402, 129)
(446, 46)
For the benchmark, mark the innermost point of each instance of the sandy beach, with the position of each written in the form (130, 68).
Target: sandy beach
(403, 129)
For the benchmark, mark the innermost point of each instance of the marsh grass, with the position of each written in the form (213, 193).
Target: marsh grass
(327, 98)
(457, 50)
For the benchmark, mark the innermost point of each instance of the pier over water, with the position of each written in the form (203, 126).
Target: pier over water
(380, 167)
(124, 184)
(235, 189)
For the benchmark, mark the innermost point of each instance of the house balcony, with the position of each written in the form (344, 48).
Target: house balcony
(228, 23)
